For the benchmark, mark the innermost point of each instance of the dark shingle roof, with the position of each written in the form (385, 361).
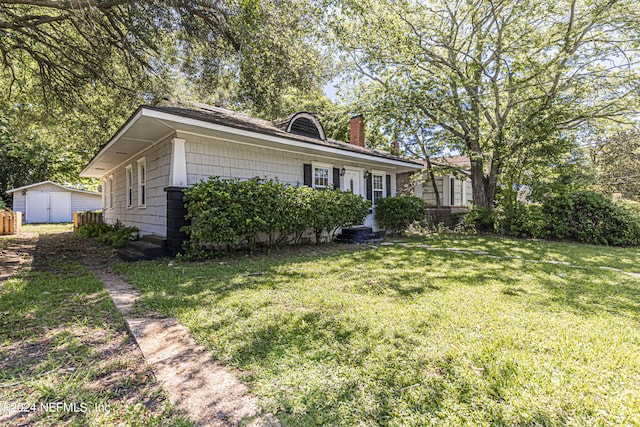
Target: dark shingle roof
(222, 116)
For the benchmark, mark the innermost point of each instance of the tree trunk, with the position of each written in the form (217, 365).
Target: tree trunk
(478, 180)
(478, 186)
(432, 177)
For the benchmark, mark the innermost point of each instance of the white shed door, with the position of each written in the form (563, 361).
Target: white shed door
(60, 207)
(37, 207)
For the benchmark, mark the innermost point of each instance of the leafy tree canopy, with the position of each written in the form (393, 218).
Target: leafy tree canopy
(499, 80)
(617, 162)
(73, 70)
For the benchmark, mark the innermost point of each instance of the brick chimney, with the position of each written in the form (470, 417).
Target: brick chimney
(356, 130)
(396, 147)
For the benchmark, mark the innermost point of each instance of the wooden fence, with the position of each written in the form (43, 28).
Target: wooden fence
(86, 217)
(10, 223)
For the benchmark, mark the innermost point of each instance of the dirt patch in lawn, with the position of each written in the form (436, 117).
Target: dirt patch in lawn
(15, 253)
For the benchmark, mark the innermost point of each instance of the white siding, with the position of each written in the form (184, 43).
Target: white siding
(19, 203)
(151, 219)
(85, 202)
(214, 157)
(429, 195)
(79, 201)
(444, 188)
(468, 192)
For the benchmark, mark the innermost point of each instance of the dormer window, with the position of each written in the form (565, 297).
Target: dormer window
(306, 124)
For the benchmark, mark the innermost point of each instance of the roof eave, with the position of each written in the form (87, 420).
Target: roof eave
(165, 116)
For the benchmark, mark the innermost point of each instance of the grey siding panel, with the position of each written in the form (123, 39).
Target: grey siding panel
(152, 218)
(19, 203)
(85, 202)
(429, 195)
(205, 157)
(215, 157)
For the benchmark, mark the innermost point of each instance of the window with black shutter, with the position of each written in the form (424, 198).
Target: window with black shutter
(336, 178)
(307, 175)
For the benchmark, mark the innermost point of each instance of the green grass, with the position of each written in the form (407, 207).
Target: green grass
(62, 341)
(47, 228)
(407, 335)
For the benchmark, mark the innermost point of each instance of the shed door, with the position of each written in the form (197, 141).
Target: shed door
(37, 207)
(60, 207)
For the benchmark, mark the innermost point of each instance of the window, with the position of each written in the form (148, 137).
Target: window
(452, 191)
(378, 188)
(129, 182)
(110, 189)
(142, 182)
(320, 177)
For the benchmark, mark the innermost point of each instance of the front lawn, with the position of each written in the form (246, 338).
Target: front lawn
(414, 334)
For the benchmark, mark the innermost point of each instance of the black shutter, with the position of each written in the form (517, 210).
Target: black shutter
(336, 178)
(388, 185)
(369, 184)
(308, 181)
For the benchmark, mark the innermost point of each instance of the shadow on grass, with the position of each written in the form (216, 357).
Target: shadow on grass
(63, 340)
(318, 334)
(624, 258)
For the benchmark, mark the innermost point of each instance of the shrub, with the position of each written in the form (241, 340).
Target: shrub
(480, 220)
(525, 220)
(93, 230)
(231, 212)
(328, 210)
(116, 235)
(3, 205)
(398, 213)
(590, 217)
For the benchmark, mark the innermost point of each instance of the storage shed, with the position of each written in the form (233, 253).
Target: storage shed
(48, 201)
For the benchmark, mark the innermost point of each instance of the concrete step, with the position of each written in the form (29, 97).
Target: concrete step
(130, 255)
(156, 240)
(142, 250)
(150, 250)
(360, 234)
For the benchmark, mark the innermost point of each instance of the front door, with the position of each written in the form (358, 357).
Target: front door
(352, 182)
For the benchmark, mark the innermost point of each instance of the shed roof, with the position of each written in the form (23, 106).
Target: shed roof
(37, 184)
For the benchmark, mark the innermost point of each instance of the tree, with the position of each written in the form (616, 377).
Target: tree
(617, 162)
(496, 77)
(73, 70)
(258, 47)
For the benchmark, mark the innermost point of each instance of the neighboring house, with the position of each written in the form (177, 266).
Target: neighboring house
(452, 178)
(48, 201)
(161, 150)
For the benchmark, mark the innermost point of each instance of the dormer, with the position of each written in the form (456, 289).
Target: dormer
(306, 124)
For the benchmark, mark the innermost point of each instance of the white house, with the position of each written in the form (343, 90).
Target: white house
(161, 150)
(48, 201)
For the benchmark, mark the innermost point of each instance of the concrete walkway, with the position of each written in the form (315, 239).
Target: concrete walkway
(196, 384)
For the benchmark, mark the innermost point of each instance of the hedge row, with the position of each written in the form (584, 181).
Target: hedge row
(232, 213)
(583, 216)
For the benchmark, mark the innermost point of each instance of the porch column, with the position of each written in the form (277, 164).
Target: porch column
(178, 175)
